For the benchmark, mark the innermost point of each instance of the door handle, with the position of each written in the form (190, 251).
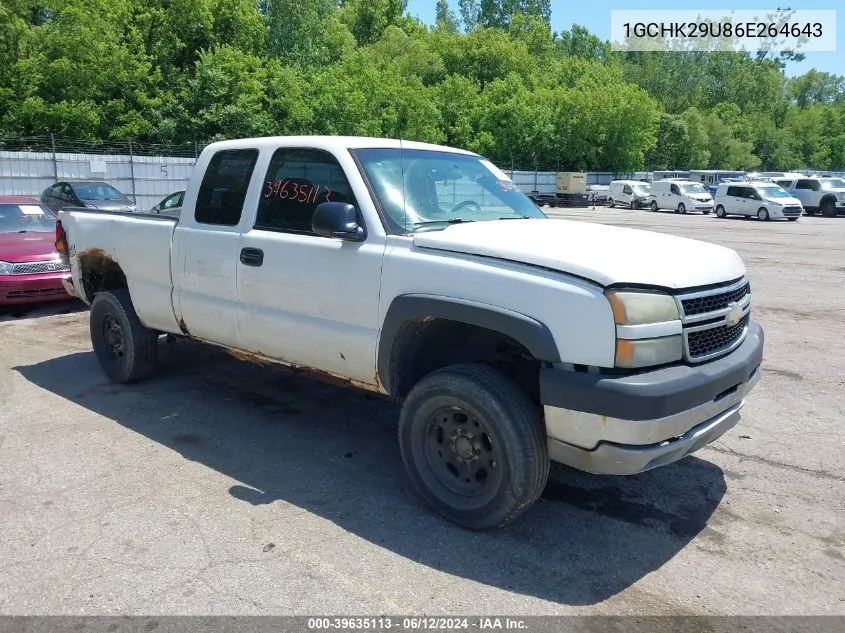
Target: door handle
(252, 256)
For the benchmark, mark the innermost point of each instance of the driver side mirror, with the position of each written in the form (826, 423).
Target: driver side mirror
(338, 220)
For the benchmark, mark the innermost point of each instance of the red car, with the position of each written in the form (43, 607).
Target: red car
(30, 269)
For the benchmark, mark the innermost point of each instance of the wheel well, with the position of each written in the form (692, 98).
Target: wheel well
(424, 345)
(827, 198)
(100, 272)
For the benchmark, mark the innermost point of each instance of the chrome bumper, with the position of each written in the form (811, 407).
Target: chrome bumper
(616, 446)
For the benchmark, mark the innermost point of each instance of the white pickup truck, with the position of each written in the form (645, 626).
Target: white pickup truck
(423, 273)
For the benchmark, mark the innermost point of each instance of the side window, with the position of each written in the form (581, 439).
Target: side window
(702, 179)
(627, 189)
(812, 185)
(221, 195)
(675, 190)
(296, 182)
(783, 183)
(733, 191)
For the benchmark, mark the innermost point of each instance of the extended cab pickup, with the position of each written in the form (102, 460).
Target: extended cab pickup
(423, 273)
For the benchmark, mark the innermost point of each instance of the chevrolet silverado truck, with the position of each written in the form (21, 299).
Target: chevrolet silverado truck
(422, 273)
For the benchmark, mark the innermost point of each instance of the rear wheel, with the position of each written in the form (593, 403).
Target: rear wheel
(127, 351)
(473, 445)
(828, 208)
(762, 214)
(654, 205)
(720, 211)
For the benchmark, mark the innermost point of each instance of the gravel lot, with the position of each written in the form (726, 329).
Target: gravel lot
(223, 487)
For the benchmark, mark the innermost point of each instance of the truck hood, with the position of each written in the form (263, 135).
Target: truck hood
(604, 254)
(27, 247)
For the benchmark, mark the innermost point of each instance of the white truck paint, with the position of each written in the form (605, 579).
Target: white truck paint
(510, 338)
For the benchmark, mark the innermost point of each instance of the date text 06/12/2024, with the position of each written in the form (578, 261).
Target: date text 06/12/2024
(415, 624)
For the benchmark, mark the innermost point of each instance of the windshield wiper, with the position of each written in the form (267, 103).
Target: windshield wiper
(519, 217)
(450, 221)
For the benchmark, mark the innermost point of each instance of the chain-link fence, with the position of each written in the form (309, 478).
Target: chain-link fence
(145, 172)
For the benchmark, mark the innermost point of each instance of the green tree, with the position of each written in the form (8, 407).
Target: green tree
(445, 18)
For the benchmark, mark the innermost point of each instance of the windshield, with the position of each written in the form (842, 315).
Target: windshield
(772, 192)
(26, 218)
(98, 191)
(693, 188)
(833, 183)
(423, 190)
(642, 190)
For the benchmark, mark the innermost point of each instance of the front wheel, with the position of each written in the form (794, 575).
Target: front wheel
(762, 214)
(720, 211)
(610, 202)
(473, 445)
(706, 211)
(127, 351)
(654, 205)
(681, 208)
(828, 208)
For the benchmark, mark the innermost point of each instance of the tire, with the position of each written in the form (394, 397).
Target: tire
(681, 208)
(654, 206)
(501, 466)
(763, 214)
(610, 202)
(828, 208)
(809, 212)
(792, 219)
(633, 205)
(126, 350)
(720, 212)
(706, 211)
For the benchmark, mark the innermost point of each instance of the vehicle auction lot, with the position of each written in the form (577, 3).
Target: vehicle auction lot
(223, 487)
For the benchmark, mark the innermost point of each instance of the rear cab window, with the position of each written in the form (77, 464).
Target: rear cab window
(224, 187)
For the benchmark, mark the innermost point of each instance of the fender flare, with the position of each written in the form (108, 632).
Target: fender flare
(534, 335)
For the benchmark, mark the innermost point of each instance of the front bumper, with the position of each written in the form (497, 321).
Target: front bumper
(18, 289)
(628, 424)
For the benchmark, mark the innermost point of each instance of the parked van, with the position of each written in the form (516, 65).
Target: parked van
(765, 200)
(680, 196)
(628, 193)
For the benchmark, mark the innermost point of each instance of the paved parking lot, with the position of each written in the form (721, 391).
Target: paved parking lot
(223, 487)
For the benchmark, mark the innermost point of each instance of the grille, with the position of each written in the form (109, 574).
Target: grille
(34, 268)
(40, 292)
(791, 211)
(706, 342)
(711, 303)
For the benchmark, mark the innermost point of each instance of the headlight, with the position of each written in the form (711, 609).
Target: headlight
(638, 308)
(647, 352)
(643, 346)
(5, 268)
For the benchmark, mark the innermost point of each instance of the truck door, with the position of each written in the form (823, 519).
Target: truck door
(205, 248)
(306, 299)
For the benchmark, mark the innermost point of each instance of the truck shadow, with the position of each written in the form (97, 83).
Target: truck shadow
(333, 452)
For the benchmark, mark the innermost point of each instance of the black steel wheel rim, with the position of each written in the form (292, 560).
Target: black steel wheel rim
(461, 452)
(112, 334)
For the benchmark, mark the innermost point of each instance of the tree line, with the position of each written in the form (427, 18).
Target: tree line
(490, 77)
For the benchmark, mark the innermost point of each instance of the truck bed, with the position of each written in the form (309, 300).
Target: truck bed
(140, 244)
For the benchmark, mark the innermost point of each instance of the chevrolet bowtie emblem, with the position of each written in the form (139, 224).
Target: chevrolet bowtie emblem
(734, 316)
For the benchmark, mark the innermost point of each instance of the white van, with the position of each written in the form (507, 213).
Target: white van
(765, 200)
(630, 193)
(680, 196)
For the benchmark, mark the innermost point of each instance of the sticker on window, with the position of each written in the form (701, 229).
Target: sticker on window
(28, 209)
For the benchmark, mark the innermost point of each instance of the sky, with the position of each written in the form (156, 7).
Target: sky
(595, 15)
